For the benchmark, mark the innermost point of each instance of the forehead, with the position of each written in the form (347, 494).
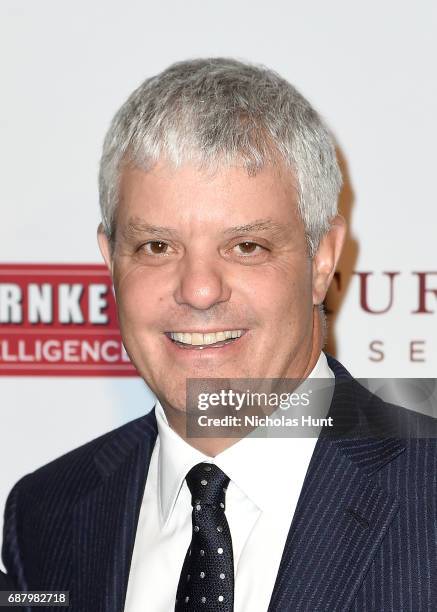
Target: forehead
(190, 195)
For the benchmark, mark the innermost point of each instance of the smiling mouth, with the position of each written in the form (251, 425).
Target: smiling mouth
(196, 340)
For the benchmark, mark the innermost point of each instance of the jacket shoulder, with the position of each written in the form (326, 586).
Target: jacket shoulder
(379, 417)
(40, 505)
(71, 474)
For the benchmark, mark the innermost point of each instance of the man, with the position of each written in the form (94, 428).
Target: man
(218, 189)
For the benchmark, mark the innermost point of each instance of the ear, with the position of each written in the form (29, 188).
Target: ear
(326, 258)
(105, 248)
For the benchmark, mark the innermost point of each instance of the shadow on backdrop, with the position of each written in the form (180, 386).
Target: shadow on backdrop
(346, 265)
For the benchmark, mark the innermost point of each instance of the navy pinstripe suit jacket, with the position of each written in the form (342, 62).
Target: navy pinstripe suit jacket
(363, 537)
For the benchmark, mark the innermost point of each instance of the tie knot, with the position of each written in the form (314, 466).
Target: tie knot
(207, 484)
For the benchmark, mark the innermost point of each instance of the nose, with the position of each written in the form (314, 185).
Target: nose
(201, 284)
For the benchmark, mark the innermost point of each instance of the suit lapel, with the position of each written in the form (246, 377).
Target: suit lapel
(342, 514)
(105, 520)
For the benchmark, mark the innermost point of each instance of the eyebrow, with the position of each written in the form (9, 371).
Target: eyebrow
(260, 225)
(137, 227)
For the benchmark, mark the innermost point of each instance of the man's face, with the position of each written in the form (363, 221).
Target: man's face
(197, 254)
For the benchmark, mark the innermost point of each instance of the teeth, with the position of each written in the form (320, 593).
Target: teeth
(202, 339)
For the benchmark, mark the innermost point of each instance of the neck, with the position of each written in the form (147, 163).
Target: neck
(213, 446)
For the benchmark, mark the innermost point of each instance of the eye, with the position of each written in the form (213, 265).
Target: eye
(155, 247)
(248, 248)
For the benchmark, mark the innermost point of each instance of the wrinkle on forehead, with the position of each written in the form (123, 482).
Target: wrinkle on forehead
(164, 181)
(137, 227)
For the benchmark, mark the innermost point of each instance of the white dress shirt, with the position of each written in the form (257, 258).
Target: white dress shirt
(266, 476)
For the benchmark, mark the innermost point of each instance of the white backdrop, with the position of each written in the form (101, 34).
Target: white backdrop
(369, 68)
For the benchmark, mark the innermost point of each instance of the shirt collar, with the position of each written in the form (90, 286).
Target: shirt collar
(176, 458)
(249, 463)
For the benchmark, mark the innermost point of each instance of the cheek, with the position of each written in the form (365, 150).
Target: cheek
(281, 296)
(136, 299)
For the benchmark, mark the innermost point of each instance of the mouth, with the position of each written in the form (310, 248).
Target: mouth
(205, 340)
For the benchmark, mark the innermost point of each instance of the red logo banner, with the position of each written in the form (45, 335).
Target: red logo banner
(59, 320)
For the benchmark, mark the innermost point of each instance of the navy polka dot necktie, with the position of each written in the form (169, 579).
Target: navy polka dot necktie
(207, 577)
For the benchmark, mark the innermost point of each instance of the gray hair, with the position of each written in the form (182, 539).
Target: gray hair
(221, 111)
